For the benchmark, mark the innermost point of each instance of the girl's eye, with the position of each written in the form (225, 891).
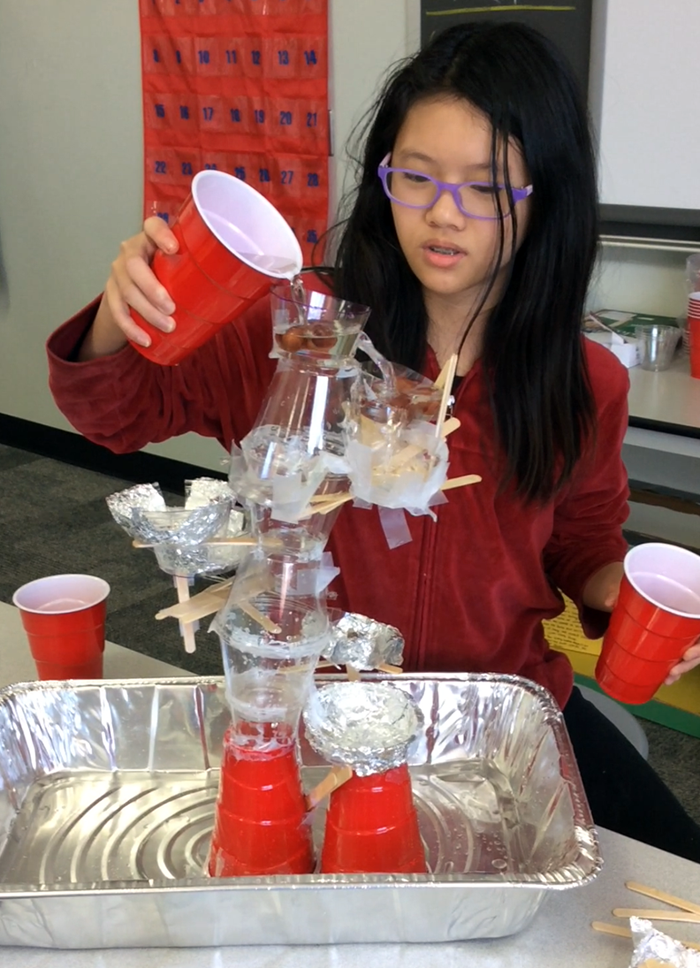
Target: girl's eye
(484, 188)
(415, 177)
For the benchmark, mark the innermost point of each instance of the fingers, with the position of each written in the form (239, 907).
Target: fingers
(159, 234)
(133, 285)
(690, 660)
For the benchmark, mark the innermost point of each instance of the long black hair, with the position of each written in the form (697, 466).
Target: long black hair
(532, 352)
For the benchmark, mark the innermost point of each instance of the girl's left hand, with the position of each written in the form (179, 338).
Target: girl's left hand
(690, 659)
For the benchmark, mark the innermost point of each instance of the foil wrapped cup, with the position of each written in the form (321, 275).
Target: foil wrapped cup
(366, 725)
(362, 642)
(179, 535)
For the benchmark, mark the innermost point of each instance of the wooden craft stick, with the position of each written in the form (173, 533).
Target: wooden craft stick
(620, 932)
(460, 481)
(450, 368)
(186, 628)
(678, 902)
(450, 425)
(257, 616)
(200, 605)
(324, 498)
(331, 781)
(246, 541)
(442, 376)
(330, 505)
(404, 455)
(391, 669)
(652, 915)
(352, 673)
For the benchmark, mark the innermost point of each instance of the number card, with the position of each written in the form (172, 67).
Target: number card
(240, 86)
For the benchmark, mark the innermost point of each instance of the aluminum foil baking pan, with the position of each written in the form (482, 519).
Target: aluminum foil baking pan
(107, 794)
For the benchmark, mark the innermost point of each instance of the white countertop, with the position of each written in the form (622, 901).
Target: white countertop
(671, 396)
(560, 933)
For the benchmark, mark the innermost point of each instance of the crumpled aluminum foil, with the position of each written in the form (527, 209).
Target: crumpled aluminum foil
(178, 534)
(364, 643)
(123, 504)
(366, 725)
(653, 947)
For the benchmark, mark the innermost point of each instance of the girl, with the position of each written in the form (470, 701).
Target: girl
(472, 230)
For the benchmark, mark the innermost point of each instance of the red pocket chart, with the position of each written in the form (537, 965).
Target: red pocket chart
(240, 86)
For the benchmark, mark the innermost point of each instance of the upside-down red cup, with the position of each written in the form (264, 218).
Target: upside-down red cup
(694, 344)
(372, 827)
(64, 618)
(655, 621)
(260, 824)
(232, 243)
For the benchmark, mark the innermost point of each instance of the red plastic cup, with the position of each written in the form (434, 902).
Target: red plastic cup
(260, 825)
(232, 242)
(372, 827)
(694, 305)
(64, 618)
(694, 345)
(655, 621)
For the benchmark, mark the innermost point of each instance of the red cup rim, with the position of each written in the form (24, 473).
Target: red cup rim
(105, 590)
(664, 608)
(245, 188)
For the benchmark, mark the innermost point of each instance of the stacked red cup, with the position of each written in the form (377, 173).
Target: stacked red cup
(694, 333)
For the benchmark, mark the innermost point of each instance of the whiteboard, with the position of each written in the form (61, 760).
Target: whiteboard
(645, 101)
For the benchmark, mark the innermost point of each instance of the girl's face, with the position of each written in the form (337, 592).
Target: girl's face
(452, 254)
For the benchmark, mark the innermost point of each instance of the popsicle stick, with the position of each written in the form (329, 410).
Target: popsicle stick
(652, 915)
(671, 899)
(460, 481)
(186, 628)
(620, 932)
(331, 781)
(403, 456)
(391, 669)
(330, 505)
(450, 370)
(323, 498)
(245, 542)
(450, 425)
(442, 375)
(352, 673)
(258, 617)
(200, 605)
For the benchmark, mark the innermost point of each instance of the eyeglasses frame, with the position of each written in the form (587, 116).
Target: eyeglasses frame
(384, 170)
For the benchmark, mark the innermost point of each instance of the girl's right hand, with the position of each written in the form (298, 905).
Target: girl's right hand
(132, 283)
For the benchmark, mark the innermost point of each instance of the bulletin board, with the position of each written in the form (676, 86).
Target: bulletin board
(240, 86)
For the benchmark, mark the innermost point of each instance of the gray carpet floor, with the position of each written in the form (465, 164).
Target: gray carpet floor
(53, 519)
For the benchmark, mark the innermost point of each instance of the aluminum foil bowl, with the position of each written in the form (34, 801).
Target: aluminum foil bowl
(366, 725)
(362, 642)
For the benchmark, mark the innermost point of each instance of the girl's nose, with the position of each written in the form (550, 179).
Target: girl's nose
(445, 211)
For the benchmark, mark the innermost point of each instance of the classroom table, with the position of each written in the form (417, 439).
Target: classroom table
(559, 934)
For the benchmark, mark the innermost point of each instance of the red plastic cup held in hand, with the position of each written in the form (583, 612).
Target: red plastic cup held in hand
(232, 243)
(372, 827)
(260, 825)
(64, 618)
(655, 621)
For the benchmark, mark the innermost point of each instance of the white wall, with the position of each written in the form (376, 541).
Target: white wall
(71, 172)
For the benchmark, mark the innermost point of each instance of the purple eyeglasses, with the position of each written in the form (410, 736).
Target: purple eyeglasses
(480, 200)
